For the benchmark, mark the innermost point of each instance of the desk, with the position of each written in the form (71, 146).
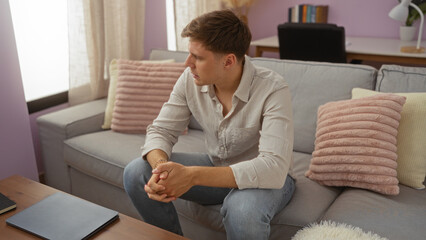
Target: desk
(360, 48)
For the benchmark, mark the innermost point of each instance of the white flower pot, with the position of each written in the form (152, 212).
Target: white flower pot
(407, 33)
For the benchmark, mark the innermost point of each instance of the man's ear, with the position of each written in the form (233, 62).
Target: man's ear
(230, 60)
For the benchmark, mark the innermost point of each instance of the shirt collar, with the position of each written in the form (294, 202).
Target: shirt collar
(204, 88)
(243, 90)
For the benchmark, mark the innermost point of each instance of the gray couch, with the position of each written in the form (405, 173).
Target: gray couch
(84, 160)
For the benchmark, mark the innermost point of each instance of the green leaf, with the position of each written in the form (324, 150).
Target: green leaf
(413, 15)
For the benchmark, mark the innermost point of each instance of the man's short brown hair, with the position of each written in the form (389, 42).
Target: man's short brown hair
(220, 32)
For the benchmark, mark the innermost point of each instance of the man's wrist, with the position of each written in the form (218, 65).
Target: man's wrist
(158, 162)
(194, 175)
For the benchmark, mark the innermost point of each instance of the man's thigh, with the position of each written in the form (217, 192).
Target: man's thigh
(200, 194)
(191, 159)
(263, 201)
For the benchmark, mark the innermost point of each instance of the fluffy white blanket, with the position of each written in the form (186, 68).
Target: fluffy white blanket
(334, 231)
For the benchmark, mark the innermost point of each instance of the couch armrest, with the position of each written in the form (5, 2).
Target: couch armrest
(58, 126)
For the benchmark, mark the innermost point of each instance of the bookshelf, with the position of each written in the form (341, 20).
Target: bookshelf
(308, 13)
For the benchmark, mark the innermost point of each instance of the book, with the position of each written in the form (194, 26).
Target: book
(295, 14)
(322, 14)
(300, 19)
(313, 13)
(307, 13)
(6, 204)
(63, 216)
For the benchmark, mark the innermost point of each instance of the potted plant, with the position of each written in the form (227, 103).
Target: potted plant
(408, 31)
(413, 15)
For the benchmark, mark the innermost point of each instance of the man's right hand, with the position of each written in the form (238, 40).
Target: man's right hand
(154, 190)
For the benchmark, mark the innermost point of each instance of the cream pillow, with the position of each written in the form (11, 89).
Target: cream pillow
(411, 139)
(113, 73)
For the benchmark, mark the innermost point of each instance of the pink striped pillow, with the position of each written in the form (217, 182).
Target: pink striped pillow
(142, 89)
(355, 143)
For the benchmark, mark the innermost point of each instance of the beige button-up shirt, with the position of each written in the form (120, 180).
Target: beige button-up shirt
(255, 138)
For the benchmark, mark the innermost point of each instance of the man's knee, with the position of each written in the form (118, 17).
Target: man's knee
(245, 222)
(243, 213)
(135, 173)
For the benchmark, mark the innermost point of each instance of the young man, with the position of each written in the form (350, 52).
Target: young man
(245, 112)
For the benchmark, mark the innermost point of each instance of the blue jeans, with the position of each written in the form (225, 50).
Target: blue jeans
(246, 213)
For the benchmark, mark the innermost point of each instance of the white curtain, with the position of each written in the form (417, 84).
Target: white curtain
(185, 11)
(100, 30)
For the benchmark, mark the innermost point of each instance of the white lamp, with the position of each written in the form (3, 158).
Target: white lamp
(400, 13)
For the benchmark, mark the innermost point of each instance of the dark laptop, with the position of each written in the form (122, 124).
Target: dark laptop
(63, 216)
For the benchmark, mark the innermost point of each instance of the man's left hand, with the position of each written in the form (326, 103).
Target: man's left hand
(178, 179)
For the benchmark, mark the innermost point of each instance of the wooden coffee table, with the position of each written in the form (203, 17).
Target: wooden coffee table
(26, 192)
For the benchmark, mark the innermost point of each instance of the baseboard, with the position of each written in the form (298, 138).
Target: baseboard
(41, 178)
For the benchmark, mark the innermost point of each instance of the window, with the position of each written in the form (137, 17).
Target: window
(41, 33)
(171, 32)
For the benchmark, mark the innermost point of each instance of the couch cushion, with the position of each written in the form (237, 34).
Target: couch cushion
(394, 78)
(309, 202)
(394, 217)
(313, 84)
(104, 154)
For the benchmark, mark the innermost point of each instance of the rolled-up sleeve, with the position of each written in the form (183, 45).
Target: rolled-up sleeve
(172, 120)
(270, 168)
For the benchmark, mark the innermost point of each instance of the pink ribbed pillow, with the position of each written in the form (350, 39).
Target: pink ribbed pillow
(142, 89)
(355, 143)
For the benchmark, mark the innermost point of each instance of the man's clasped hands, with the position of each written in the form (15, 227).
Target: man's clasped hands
(168, 182)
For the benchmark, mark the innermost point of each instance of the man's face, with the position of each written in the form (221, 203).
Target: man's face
(206, 67)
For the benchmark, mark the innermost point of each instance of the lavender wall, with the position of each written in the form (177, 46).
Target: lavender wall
(16, 147)
(155, 26)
